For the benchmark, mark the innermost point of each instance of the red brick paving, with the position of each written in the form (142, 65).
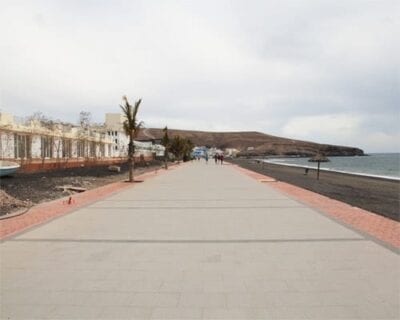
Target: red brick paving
(46, 211)
(377, 226)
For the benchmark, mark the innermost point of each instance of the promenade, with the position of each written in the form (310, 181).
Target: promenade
(197, 242)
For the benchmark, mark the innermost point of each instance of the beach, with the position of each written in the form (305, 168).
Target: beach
(377, 195)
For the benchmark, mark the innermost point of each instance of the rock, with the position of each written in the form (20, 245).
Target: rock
(77, 189)
(63, 188)
(7, 200)
(114, 168)
(70, 188)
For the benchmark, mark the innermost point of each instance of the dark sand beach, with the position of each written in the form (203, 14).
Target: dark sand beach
(26, 189)
(380, 196)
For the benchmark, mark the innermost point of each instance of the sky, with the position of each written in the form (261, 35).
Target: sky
(324, 71)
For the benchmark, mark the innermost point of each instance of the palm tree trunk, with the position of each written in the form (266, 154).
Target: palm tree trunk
(130, 170)
(131, 162)
(166, 158)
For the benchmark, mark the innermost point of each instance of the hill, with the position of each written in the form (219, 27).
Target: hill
(255, 143)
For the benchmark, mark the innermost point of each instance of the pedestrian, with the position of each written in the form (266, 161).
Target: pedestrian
(215, 158)
(222, 159)
(206, 158)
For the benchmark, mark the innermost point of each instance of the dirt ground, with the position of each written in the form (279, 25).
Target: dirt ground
(380, 196)
(24, 190)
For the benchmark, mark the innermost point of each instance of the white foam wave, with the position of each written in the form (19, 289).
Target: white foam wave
(273, 161)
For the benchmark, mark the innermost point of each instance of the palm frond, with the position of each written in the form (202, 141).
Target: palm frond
(126, 127)
(136, 109)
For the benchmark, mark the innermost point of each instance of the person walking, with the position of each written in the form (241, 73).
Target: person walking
(206, 158)
(222, 159)
(215, 158)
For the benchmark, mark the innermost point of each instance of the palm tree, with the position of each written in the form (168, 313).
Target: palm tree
(132, 128)
(165, 142)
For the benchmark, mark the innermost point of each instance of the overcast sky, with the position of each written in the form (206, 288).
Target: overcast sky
(325, 71)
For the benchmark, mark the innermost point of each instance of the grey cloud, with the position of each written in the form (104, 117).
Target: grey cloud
(225, 65)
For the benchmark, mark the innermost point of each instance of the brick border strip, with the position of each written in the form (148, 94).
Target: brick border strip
(46, 211)
(378, 227)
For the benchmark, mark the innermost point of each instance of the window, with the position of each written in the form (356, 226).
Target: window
(102, 150)
(66, 148)
(80, 148)
(22, 146)
(46, 147)
(92, 149)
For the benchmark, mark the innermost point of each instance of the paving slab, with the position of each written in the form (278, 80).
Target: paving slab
(198, 242)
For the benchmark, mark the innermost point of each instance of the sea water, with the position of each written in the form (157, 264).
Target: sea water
(382, 165)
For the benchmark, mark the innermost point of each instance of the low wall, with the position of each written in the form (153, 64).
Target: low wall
(38, 165)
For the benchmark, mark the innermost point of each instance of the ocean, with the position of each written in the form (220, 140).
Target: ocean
(381, 165)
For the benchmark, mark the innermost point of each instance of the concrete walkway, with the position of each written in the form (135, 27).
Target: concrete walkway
(200, 241)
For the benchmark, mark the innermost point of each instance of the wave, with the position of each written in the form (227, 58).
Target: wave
(369, 175)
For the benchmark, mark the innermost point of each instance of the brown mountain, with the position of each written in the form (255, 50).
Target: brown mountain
(254, 143)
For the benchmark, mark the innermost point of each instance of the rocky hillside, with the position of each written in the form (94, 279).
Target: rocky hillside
(255, 143)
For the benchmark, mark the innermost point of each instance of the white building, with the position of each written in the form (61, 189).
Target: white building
(231, 152)
(39, 145)
(114, 129)
(213, 151)
(36, 140)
